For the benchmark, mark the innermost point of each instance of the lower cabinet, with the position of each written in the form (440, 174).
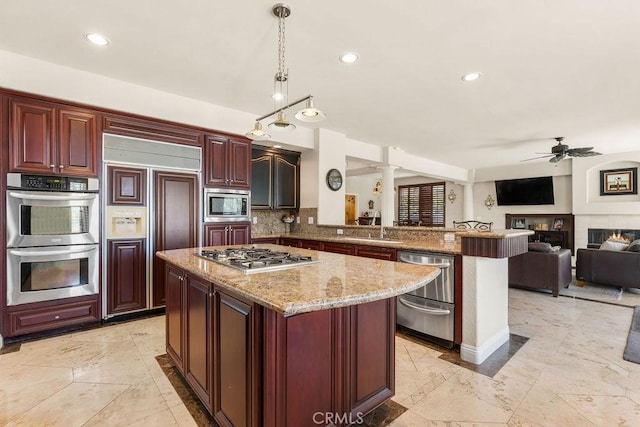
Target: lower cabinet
(127, 275)
(40, 317)
(310, 244)
(227, 234)
(251, 366)
(376, 252)
(339, 248)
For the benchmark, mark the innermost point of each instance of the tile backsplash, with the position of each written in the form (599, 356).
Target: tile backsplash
(269, 222)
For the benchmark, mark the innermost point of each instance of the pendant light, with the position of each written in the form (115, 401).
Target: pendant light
(308, 114)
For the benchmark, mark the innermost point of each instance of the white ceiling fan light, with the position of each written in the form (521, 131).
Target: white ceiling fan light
(97, 39)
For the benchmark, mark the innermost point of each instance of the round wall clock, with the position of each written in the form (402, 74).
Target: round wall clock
(334, 179)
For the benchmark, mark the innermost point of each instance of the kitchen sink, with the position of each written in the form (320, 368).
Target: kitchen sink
(370, 240)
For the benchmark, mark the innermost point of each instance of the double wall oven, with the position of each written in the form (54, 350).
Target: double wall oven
(52, 237)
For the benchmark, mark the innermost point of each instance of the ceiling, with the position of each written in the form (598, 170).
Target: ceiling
(549, 67)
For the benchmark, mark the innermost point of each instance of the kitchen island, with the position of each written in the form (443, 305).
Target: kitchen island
(311, 345)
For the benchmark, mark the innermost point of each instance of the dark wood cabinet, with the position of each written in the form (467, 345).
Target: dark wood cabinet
(340, 248)
(276, 179)
(126, 275)
(376, 252)
(227, 234)
(127, 186)
(38, 317)
(173, 277)
(237, 362)
(311, 244)
(198, 341)
(285, 241)
(176, 220)
(52, 138)
(272, 240)
(227, 162)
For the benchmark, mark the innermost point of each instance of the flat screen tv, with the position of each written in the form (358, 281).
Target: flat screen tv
(525, 191)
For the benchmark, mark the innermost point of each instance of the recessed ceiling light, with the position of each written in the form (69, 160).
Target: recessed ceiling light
(349, 57)
(469, 77)
(97, 39)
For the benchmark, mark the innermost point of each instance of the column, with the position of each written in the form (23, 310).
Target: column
(388, 195)
(467, 202)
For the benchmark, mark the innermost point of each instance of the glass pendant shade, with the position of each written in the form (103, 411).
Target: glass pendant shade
(310, 114)
(281, 123)
(257, 133)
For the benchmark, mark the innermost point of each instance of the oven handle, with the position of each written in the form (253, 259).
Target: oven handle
(435, 311)
(19, 252)
(442, 265)
(74, 196)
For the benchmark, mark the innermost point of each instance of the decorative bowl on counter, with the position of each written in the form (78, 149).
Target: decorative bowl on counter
(288, 218)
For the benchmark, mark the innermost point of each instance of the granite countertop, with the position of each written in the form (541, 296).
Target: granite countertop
(336, 281)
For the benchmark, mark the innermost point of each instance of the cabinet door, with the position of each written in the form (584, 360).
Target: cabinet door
(236, 363)
(215, 235)
(388, 254)
(126, 278)
(173, 278)
(198, 366)
(311, 244)
(31, 145)
(239, 234)
(175, 218)
(77, 148)
(286, 180)
(127, 186)
(215, 161)
(261, 180)
(239, 170)
(371, 367)
(340, 248)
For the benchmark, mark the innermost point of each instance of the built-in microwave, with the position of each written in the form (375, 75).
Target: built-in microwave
(222, 205)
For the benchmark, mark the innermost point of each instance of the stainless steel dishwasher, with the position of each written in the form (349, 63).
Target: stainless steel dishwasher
(429, 311)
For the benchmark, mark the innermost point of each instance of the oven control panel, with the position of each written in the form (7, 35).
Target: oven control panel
(51, 183)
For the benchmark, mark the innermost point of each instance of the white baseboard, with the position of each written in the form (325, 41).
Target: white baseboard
(477, 355)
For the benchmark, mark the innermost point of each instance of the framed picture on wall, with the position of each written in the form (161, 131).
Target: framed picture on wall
(518, 223)
(558, 223)
(619, 181)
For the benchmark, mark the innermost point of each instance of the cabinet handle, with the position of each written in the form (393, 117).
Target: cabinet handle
(56, 317)
(61, 166)
(52, 166)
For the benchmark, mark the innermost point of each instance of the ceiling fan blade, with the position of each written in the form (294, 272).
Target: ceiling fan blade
(577, 153)
(536, 158)
(557, 158)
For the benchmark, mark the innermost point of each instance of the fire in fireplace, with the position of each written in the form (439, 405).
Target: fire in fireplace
(598, 235)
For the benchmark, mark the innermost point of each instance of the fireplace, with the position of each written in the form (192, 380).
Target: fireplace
(595, 236)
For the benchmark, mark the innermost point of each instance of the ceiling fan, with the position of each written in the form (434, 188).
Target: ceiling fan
(560, 151)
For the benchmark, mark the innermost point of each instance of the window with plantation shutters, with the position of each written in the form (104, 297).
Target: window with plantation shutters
(421, 204)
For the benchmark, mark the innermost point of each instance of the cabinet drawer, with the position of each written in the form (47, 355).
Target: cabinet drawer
(41, 319)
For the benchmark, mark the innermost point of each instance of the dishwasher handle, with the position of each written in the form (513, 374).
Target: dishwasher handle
(442, 265)
(436, 311)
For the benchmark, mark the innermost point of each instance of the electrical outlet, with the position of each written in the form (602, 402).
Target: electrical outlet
(310, 220)
(340, 231)
(297, 220)
(255, 219)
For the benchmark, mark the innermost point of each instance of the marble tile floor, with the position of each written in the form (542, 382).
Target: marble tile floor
(569, 372)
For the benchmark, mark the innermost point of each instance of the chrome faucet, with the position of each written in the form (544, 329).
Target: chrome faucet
(381, 226)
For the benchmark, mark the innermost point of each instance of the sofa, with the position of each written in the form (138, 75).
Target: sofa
(609, 267)
(543, 267)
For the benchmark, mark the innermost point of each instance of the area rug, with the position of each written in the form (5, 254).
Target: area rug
(380, 417)
(632, 350)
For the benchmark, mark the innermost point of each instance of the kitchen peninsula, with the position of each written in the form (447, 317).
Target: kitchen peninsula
(280, 347)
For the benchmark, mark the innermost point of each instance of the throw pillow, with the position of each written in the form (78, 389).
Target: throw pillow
(634, 246)
(614, 245)
(540, 247)
(556, 248)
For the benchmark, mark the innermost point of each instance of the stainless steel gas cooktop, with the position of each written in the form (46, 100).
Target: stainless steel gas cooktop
(255, 260)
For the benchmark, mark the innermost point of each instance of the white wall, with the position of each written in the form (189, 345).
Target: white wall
(363, 187)
(330, 147)
(595, 211)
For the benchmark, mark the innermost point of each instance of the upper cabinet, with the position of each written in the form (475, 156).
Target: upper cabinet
(275, 179)
(227, 162)
(52, 138)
